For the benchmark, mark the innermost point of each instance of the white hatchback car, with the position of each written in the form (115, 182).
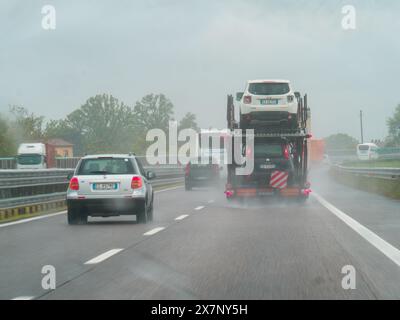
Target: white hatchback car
(110, 185)
(268, 103)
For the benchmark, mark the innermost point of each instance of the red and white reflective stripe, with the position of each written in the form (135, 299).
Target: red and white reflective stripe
(279, 179)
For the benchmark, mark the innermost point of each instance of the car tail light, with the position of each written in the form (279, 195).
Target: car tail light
(286, 152)
(290, 98)
(136, 182)
(247, 99)
(74, 184)
(187, 170)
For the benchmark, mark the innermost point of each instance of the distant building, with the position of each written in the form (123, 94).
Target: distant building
(61, 148)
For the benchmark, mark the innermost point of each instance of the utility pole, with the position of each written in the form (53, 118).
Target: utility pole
(361, 126)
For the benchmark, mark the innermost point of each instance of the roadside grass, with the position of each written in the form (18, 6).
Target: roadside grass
(386, 187)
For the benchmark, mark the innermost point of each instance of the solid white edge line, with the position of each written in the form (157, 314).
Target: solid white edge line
(103, 256)
(386, 248)
(23, 298)
(182, 217)
(199, 208)
(32, 219)
(153, 231)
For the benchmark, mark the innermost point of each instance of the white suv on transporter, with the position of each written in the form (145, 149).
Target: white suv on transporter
(268, 102)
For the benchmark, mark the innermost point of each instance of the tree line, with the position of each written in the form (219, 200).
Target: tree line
(345, 141)
(102, 124)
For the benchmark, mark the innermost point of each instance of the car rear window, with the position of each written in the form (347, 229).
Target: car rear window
(271, 88)
(106, 166)
(267, 150)
(363, 148)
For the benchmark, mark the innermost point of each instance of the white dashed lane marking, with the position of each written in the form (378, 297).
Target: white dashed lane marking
(153, 231)
(182, 217)
(103, 256)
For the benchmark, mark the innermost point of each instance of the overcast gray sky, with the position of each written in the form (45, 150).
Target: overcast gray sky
(196, 52)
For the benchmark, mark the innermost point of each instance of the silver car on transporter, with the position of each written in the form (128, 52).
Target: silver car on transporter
(110, 185)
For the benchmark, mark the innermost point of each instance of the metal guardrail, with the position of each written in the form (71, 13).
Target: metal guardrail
(41, 198)
(36, 186)
(380, 173)
(389, 156)
(25, 178)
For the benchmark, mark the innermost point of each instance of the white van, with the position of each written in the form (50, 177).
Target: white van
(367, 151)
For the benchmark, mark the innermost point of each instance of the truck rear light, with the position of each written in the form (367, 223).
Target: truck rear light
(286, 152)
(136, 182)
(229, 192)
(187, 170)
(247, 99)
(290, 98)
(74, 184)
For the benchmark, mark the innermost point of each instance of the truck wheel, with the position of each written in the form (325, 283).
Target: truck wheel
(142, 216)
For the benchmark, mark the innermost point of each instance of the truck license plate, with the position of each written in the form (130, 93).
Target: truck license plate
(267, 166)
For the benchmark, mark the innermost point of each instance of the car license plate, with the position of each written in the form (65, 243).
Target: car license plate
(267, 166)
(105, 186)
(269, 101)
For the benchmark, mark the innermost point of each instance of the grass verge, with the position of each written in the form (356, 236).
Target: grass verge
(388, 188)
(373, 164)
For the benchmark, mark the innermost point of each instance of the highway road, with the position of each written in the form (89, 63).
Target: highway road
(200, 246)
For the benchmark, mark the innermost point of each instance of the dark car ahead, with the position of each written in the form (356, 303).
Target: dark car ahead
(201, 172)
